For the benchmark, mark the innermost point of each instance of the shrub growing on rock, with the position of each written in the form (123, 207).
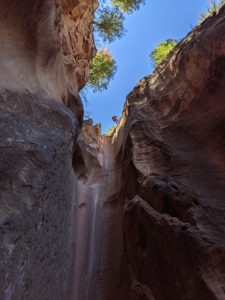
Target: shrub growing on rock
(109, 24)
(103, 68)
(161, 51)
(213, 7)
(128, 6)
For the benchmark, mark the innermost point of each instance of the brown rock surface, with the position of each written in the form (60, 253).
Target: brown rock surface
(46, 47)
(146, 217)
(174, 219)
(44, 60)
(159, 217)
(37, 188)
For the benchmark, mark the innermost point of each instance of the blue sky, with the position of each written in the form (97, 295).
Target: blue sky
(156, 21)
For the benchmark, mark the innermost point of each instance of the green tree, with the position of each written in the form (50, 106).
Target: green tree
(109, 24)
(213, 7)
(161, 51)
(103, 68)
(110, 130)
(127, 6)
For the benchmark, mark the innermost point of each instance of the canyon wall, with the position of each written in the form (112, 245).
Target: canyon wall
(138, 215)
(45, 50)
(157, 227)
(173, 144)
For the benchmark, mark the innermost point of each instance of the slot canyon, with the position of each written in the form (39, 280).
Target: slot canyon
(137, 215)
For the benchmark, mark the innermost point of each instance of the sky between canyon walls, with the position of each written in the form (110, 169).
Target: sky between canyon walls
(155, 22)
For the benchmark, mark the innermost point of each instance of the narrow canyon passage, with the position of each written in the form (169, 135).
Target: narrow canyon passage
(99, 238)
(139, 215)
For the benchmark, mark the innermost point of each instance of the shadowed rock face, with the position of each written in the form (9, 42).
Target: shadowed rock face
(174, 220)
(160, 226)
(45, 51)
(38, 186)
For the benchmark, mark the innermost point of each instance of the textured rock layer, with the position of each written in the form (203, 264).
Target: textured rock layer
(45, 50)
(38, 188)
(159, 217)
(47, 46)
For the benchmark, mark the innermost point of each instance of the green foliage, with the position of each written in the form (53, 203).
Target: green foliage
(214, 6)
(161, 51)
(103, 68)
(127, 6)
(109, 24)
(110, 130)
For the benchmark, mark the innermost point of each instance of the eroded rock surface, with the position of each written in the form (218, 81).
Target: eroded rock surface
(47, 46)
(38, 192)
(174, 219)
(45, 50)
(160, 228)
(146, 217)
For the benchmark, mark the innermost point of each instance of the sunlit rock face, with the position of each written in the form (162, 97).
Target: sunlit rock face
(158, 225)
(45, 50)
(47, 46)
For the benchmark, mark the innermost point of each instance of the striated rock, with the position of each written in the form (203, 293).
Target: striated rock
(159, 218)
(174, 219)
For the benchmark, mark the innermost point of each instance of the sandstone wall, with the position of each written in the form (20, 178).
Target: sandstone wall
(45, 50)
(160, 225)
(172, 131)
(145, 219)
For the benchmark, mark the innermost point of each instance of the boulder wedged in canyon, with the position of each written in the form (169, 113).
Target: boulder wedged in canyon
(45, 51)
(160, 212)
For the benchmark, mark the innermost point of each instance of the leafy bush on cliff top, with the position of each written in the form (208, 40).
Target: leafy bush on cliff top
(109, 25)
(213, 7)
(128, 6)
(103, 68)
(109, 19)
(110, 130)
(161, 51)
